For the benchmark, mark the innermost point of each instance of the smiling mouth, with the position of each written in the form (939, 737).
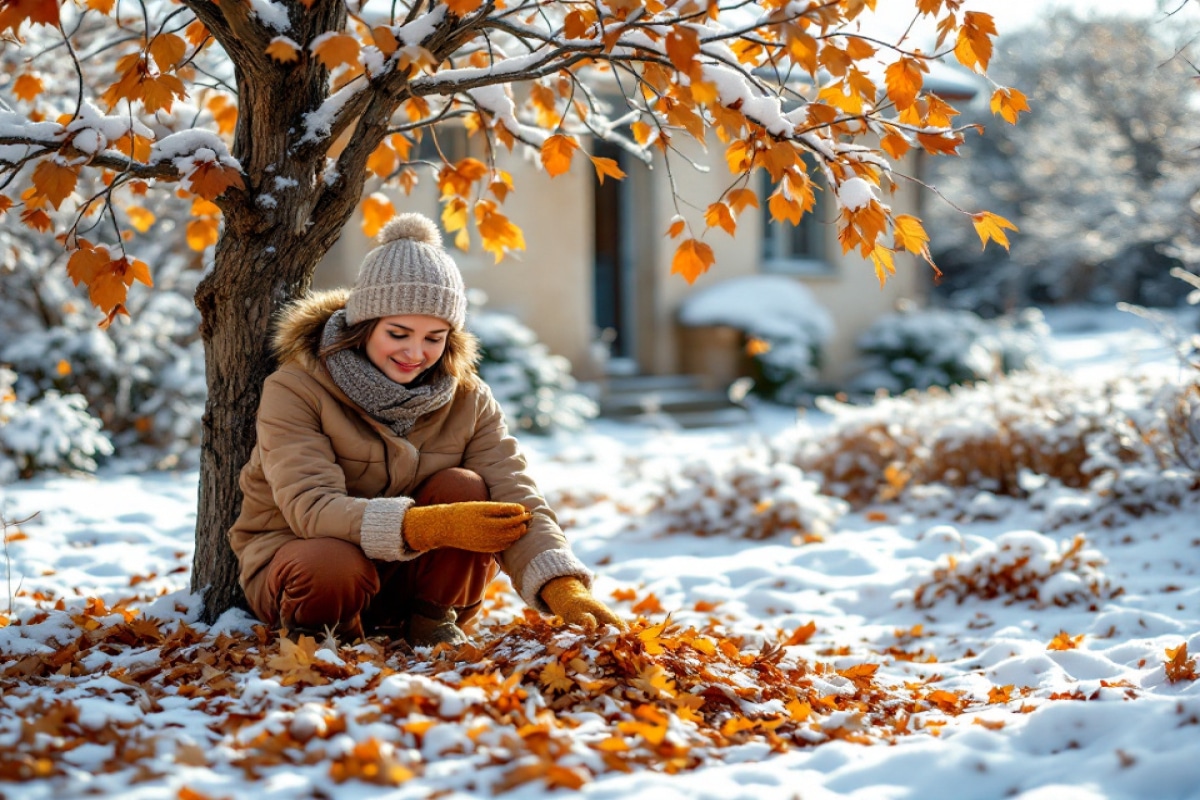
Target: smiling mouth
(406, 367)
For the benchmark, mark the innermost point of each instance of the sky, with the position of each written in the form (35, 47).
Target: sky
(1011, 15)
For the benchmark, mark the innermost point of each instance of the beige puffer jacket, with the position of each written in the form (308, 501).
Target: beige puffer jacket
(322, 467)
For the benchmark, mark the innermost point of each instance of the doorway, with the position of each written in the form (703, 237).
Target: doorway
(612, 289)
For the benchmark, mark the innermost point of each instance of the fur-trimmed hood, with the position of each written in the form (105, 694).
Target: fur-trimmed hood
(300, 325)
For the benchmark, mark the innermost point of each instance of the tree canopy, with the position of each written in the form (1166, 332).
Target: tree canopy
(151, 92)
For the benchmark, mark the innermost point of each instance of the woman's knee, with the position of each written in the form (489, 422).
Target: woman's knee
(321, 581)
(453, 485)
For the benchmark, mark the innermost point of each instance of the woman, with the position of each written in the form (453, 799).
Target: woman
(384, 491)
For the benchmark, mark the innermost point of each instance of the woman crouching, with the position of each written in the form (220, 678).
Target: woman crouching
(384, 492)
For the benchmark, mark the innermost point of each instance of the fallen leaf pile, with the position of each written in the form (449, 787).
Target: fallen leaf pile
(526, 701)
(749, 496)
(140, 698)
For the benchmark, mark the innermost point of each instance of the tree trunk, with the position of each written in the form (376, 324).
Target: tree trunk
(236, 305)
(276, 232)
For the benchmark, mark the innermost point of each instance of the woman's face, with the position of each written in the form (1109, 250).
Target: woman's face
(404, 346)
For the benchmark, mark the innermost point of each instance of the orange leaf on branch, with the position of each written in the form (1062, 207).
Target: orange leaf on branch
(461, 8)
(283, 50)
(497, 231)
(692, 259)
(202, 233)
(904, 80)
(140, 218)
(210, 179)
(557, 151)
(910, 235)
(1009, 103)
(885, 265)
(974, 46)
(86, 261)
(683, 46)
(894, 144)
(940, 144)
(167, 50)
(335, 49)
(27, 86)
(54, 181)
(35, 12)
(606, 166)
(991, 226)
(720, 215)
(739, 199)
(377, 209)
(37, 219)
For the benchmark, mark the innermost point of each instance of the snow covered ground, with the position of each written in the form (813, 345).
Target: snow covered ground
(820, 665)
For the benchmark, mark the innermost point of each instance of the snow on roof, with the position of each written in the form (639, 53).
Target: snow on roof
(951, 83)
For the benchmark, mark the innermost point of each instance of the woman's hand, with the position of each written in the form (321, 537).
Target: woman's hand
(478, 526)
(570, 599)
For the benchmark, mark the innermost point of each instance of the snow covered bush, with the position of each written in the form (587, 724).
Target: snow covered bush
(1082, 449)
(787, 326)
(533, 386)
(54, 432)
(1020, 566)
(982, 436)
(748, 497)
(919, 348)
(142, 376)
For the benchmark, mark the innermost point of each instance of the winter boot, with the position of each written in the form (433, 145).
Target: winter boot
(426, 631)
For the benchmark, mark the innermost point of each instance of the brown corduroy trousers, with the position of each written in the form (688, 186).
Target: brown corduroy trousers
(326, 582)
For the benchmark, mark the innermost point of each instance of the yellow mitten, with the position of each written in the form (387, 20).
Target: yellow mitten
(478, 526)
(570, 599)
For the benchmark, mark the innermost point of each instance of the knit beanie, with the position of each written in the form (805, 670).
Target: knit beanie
(408, 273)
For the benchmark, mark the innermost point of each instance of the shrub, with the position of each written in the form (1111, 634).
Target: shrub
(54, 432)
(1020, 566)
(748, 497)
(916, 349)
(786, 325)
(1131, 442)
(533, 386)
(143, 376)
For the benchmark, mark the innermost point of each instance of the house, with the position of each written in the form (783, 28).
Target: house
(598, 257)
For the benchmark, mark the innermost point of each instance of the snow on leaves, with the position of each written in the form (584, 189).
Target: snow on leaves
(1021, 566)
(659, 697)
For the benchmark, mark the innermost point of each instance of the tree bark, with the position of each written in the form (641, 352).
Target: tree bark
(276, 232)
(255, 275)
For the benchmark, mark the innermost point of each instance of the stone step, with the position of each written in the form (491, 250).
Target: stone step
(718, 417)
(625, 384)
(666, 401)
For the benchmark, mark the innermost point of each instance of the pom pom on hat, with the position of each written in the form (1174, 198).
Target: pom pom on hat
(408, 273)
(414, 227)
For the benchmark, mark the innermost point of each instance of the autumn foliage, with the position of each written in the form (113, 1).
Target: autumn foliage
(790, 89)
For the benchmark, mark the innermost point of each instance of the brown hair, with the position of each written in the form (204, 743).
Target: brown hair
(458, 361)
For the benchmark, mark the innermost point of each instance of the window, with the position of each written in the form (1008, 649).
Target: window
(452, 139)
(796, 249)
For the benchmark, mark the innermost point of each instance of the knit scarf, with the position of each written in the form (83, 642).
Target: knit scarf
(395, 405)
